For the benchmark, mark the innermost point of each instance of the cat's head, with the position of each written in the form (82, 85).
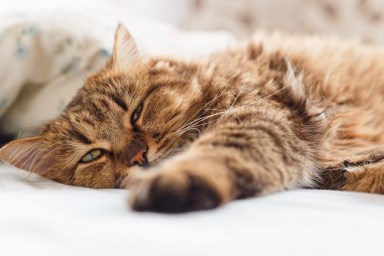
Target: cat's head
(128, 115)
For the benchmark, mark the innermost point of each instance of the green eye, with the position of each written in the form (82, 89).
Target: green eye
(91, 155)
(136, 114)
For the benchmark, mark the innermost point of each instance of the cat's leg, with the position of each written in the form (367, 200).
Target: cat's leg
(368, 179)
(246, 154)
(361, 173)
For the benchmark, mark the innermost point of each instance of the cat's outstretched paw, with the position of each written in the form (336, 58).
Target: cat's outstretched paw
(173, 192)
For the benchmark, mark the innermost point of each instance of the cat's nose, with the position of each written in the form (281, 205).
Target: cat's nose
(136, 153)
(139, 158)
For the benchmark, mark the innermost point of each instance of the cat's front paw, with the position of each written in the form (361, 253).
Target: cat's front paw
(173, 192)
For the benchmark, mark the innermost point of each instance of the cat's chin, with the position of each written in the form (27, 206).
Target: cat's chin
(134, 172)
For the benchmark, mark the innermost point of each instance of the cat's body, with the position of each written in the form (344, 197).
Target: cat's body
(276, 114)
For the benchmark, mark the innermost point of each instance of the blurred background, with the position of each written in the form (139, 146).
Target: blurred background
(48, 47)
(363, 19)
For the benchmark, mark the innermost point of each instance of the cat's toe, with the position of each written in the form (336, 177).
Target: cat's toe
(170, 194)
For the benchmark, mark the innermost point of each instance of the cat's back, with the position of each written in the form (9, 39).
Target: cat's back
(342, 70)
(333, 71)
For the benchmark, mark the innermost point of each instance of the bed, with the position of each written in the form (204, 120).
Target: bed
(41, 217)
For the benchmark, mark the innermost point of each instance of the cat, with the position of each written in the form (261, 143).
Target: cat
(277, 113)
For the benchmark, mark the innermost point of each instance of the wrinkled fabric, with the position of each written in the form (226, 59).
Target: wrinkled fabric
(42, 65)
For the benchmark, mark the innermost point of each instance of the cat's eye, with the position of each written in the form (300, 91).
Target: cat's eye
(136, 114)
(91, 155)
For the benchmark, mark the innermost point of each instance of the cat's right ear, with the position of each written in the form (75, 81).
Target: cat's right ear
(125, 55)
(27, 154)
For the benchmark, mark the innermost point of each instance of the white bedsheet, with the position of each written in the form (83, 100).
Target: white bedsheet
(40, 217)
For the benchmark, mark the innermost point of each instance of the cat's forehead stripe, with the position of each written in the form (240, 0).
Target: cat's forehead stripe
(119, 102)
(79, 136)
(97, 112)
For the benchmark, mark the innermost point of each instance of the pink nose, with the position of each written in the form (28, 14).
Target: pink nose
(138, 158)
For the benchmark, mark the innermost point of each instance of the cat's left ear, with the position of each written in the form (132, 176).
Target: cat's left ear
(28, 154)
(125, 55)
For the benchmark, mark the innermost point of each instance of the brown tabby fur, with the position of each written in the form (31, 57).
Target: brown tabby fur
(276, 114)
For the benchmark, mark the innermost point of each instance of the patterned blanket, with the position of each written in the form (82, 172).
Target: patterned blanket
(43, 62)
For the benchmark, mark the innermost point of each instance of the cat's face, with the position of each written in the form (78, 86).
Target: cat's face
(127, 116)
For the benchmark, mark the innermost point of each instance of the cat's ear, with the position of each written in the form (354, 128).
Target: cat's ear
(125, 54)
(27, 154)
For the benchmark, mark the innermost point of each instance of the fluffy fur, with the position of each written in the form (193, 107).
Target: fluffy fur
(275, 114)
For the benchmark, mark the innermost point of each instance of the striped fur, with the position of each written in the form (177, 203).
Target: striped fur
(275, 114)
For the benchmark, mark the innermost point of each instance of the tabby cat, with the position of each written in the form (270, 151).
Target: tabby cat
(277, 113)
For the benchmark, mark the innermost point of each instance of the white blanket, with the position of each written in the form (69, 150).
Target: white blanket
(40, 217)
